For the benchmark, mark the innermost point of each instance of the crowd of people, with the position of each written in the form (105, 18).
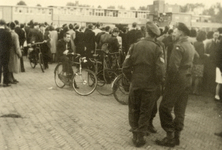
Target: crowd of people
(181, 59)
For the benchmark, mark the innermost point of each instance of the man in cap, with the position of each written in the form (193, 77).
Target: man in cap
(144, 68)
(5, 45)
(177, 87)
(89, 41)
(132, 35)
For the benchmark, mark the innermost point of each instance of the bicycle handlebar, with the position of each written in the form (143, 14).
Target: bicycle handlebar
(113, 53)
(37, 43)
(107, 52)
(73, 54)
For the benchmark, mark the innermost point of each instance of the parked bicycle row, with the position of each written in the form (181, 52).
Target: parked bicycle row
(86, 76)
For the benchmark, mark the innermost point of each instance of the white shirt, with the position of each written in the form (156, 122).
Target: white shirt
(96, 31)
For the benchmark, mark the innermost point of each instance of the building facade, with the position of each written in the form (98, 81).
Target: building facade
(80, 15)
(160, 12)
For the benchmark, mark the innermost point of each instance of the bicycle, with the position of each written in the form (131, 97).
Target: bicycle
(120, 91)
(105, 74)
(35, 55)
(83, 81)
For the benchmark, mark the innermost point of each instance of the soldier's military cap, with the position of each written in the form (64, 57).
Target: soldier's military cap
(153, 28)
(182, 27)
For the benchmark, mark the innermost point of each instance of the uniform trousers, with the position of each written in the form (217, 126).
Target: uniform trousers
(175, 97)
(141, 103)
(158, 93)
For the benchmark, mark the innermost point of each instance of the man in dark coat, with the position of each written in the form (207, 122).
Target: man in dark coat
(5, 44)
(47, 56)
(20, 32)
(98, 36)
(104, 38)
(79, 41)
(89, 37)
(64, 48)
(34, 34)
(144, 68)
(132, 35)
(178, 81)
(113, 46)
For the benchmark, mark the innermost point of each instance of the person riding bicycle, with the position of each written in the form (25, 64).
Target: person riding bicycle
(39, 35)
(63, 49)
(34, 36)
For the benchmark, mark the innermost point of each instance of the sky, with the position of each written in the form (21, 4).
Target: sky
(105, 3)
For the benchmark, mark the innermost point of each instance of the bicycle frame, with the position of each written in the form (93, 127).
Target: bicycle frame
(37, 55)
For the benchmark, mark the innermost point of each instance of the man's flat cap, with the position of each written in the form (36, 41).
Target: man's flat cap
(182, 27)
(151, 26)
(116, 30)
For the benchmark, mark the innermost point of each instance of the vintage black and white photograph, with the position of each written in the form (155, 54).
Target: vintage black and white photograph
(110, 74)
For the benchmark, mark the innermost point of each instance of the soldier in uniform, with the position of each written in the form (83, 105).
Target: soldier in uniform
(177, 87)
(144, 67)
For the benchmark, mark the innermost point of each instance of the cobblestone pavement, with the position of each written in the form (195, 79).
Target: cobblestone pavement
(54, 119)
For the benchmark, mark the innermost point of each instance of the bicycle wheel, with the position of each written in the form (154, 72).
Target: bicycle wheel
(41, 62)
(84, 82)
(105, 78)
(101, 80)
(33, 61)
(120, 94)
(58, 76)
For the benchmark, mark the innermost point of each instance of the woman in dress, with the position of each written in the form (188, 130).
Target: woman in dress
(54, 38)
(15, 55)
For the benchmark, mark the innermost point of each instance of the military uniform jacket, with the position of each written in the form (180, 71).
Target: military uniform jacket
(144, 65)
(181, 62)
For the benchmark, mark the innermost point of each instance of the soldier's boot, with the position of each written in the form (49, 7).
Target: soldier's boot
(140, 140)
(168, 141)
(177, 137)
(151, 128)
(134, 138)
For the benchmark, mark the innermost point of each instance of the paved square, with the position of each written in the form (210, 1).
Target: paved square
(54, 119)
